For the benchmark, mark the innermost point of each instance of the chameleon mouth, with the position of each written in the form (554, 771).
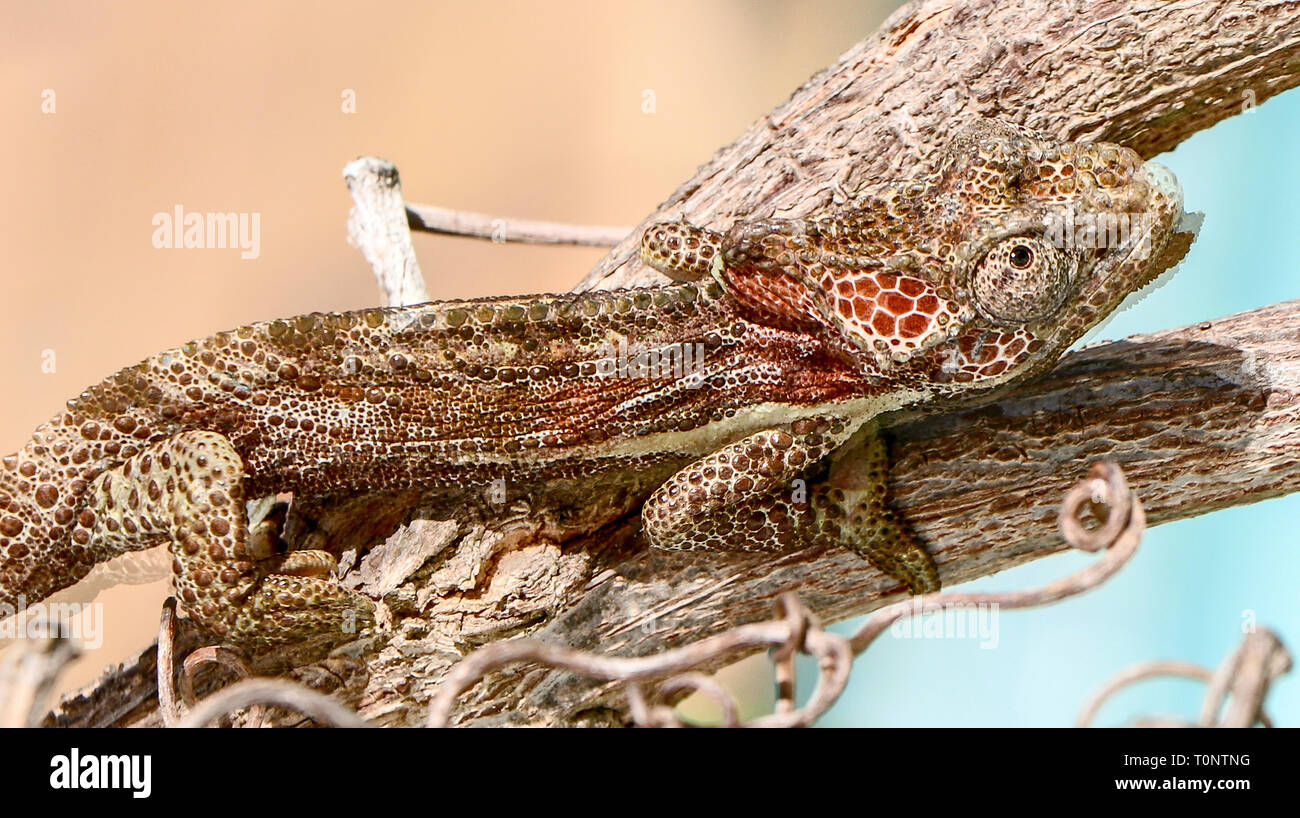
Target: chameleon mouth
(1152, 252)
(1163, 179)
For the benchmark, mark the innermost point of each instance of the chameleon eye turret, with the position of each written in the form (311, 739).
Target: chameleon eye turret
(1022, 279)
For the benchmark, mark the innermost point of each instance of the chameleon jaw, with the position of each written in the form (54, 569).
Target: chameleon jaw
(1153, 254)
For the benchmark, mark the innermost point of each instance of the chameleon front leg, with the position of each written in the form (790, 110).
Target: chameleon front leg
(743, 497)
(852, 504)
(682, 251)
(189, 489)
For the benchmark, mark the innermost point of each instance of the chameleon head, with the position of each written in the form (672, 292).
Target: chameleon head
(985, 270)
(1046, 239)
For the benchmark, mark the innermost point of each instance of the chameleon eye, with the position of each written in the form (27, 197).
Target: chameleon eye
(1021, 257)
(1022, 279)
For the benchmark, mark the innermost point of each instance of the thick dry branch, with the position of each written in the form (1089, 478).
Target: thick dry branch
(1144, 73)
(1118, 535)
(1200, 418)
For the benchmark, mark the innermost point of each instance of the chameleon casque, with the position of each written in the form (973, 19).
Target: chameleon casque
(809, 328)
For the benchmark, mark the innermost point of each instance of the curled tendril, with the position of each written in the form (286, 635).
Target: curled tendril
(1107, 496)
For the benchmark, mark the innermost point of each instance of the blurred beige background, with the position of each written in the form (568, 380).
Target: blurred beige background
(518, 109)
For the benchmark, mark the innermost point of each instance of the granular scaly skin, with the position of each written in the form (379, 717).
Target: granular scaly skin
(794, 334)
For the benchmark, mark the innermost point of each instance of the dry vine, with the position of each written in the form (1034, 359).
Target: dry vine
(1245, 675)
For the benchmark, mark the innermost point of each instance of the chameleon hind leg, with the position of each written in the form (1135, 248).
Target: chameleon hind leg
(749, 496)
(189, 489)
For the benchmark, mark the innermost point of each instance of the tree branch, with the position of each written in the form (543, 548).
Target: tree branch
(450, 222)
(377, 227)
(1141, 73)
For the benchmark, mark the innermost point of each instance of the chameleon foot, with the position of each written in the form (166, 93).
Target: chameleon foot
(741, 497)
(853, 507)
(747, 497)
(303, 564)
(189, 490)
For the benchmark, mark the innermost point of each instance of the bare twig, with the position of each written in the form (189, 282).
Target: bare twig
(798, 619)
(29, 671)
(1120, 534)
(377, 227)
(210, 654)
(525, 231)
(709, 687)
(1162, 722)
(168, 707)
(483, 661)
(834, 661)
(1245, 676)
(276, 692)
(1132, 675)
(217, 655)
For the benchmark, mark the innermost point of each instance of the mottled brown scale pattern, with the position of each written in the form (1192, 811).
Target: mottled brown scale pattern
(806, 330)
(719, 487)
(943, 286)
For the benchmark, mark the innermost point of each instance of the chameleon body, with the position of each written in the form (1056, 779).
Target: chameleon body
(787, 337)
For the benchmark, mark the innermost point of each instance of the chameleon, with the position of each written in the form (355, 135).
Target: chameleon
(786, 339)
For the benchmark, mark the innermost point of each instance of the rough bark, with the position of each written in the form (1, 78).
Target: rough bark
(1201, 418)
(1141, 73)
